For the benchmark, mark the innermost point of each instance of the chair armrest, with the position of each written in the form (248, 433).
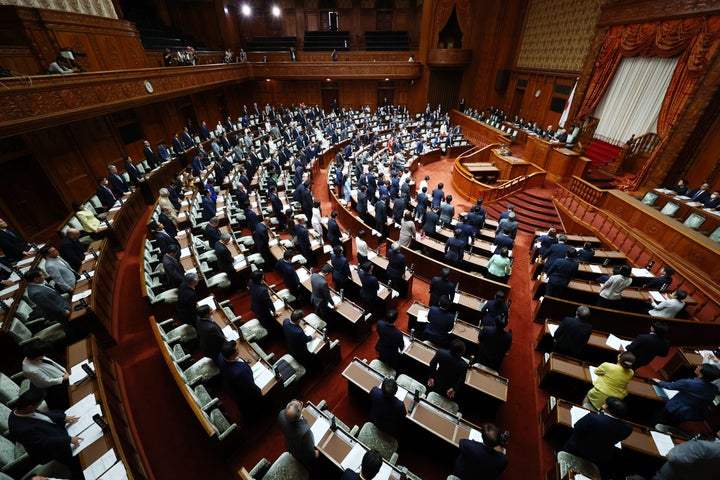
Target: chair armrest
(393, 459)
(322, 405)
(354, 431)
(290, 380)
(261, 468)
(165, 323)
(18, 377)
(227, 432)
(212, 403)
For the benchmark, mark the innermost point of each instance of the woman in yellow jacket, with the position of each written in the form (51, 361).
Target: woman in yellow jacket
(611, 381)
(86, 218)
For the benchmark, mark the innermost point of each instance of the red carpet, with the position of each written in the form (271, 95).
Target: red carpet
(601, 152)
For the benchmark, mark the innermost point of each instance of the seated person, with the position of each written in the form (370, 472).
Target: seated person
(670, 307)
(693, 397)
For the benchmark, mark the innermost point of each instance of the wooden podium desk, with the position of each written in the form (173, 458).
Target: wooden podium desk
(441, 423)
(484, 172)
(335, 445)
(461, 329)
(576, 240)
(510, 167)
(596, 351)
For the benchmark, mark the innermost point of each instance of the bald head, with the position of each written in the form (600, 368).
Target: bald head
(73, 233)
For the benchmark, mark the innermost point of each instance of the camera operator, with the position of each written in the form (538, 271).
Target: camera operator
(484, 459)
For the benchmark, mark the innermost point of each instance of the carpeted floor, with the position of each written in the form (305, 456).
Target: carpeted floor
(177, 447)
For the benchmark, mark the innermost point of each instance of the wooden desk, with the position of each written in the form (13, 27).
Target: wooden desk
(596, 351)
(682, 362)
(485, 172)
(104, 386)
(563, 163)
(510, 167)
(461, 329)
(686, 207)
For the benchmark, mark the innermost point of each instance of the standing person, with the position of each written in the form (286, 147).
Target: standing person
(573, 333)
(422, 204)
(647, 346)
(174, 271)
(441, 286)
(334, 235)
(238, 381)
(386, 411)
(58, 269)
(438, 195)
(186, 305)
(440, 323)
(371, 463)
(334, 58)
(432, 221)
(396, 269)
(299, 440)
(390, 339)
(612, 380)
(46, 374)
(341, 269)
(361, 247)
(210, 335)
(369, 288)
(560, 273)
(500, 266)
(494, 343)
(693, 460)
(381, 216)
(447, 369)
(611, 291)
(493, 309)
(289, 274)
(320, 296)
(482, 460)
(455, 249)
(297, 340)
(260, 302)
(407, 230)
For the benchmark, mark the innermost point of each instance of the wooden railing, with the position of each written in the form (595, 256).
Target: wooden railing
(634, 154)
(585, 205)
(587, 132)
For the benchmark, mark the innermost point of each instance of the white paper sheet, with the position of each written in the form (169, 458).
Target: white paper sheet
(117, 472)
(85, 420)
(89, 436)
(663, 442)
(406, 343)
(279, 304)
(593, 376)
(670, 393)
(456, 298)
(230, 333)
(77, 374)
(185, 252)
(385, 472)
(319, 428)
(401, 393)
(371, 255)
(576, 413)
(553, 328)
(475, 435)
(353, 460)
(101, 465)
(641, 273)
(262, 375)
(88, 256)
(657, 296)
(595, 268)
(422, 316)
(82, 406)
(10, 289)
(615, 342)
(209, 301)
(25, 261)
(302, 274)
(81, 295)
(312, 344)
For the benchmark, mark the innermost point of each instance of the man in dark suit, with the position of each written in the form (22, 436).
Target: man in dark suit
(186, 305)
(238, 381)
(555, 252)
(71, 250)
(12, 243)
(225, 260)
(369, 288)
(701, 194)
(198, 163)
(341, 269)
(161, 237)
(396, 269)
(297, 340)
(299, 440)
(333, 230)
(163, 152)
(105, 193)
(174, 271)
(165, 218)
(119, 186)
(209, 209)
(647, 346)
(441, 286)
(437, 196)
(390, 339)
(261, 237)
(204, 131)
(150, 155)
(386, 411)
(320, 293)
(432, 220)
(362, 203)
(595, 435)
(560, 274)
(302, 238)
(713, 201)
(260, 302)
(277, 207)
(573, 333)
(44, 435)
(440, 323)
(210, 335)
(455, 248)
(447, 369)
(494, 343)
(212, 232)
(503, 239)
(288, 272)
(178, 146)
(372, 461)
(486, 459)
(53, 306)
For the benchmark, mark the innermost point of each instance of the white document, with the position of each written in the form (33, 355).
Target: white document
(371, 255)
(670, 393)
(230, 333)
(456, 298)
(181, 234)
(185, 252)
(10, 289)
(704, 353)
(475, 435)
(615, 342)
(101, 465)
(353, 460)
(191, 270)
(262, 375)
(327, 249)
(77, 374)
(88, 256)
(580, 476)
(319, 429)
(81, 295)
(26, 261)
(385, 472)
(657, 296)
(89, 436)
(335, 298)
(576, 413)
(553, 328)
(422, 316)
(209, 301)
(382, 290)
(85, 420)
(663, 442)
(401, 393)
(593, 376)
(406, 343)
(595, 268)
(302, 274)
(376, 233)
(312, 344)
(79, 408)
(279, 304)
(117, 472)
(641, 272)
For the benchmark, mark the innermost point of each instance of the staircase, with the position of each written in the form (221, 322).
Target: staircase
(601, 153)
(534, 209)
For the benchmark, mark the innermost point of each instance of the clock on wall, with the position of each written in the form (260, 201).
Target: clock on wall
(150, 89)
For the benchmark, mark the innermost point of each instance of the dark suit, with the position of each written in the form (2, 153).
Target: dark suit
(476, 461)
(169, 225)
(208, 208)
(494, 343)
(386, 411)
(297, 340)
(174, 271)
(260, 303)
(303, 241)
(437, 197)
(134, 173)
(380, 217)
(333, 232)
(237, 379)
(555, 252)
(225, 261)
(210, 338)
(350, 475)
(13, 244)
(595, 435)
(262, 239)
(44, 441)
(571, 336)
(440, 323)
(186, 306)
(212, 235)
(341, 271)
(454, 250)
(559, 276)
(164, 241)
(646, 347)
(503, 241)
(448, 371)
(368, 290)
(440, 287)
(396, 270)
(320, 296)
(73, 252)
(52, 304)
(432, 219)
(106, 196)
(699, 195)
(118, 184)
(389, 343)
(299, 440)
(289, 274)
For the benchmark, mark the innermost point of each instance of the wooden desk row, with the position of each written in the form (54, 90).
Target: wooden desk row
(467, 331)
(118, 437)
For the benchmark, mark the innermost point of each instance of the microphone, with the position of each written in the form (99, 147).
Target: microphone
(87, 276)
(93, 253)
(5, 307)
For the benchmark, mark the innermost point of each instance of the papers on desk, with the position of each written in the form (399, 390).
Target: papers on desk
(25, 261)
(682, 197)
(273, 242)
(664, 190)
(335, 298)
(580, 476)
(313, 344)
(406, 344)
(81, 295)
(101, 465)
(278, 304)
(371, 255)
(82, 406)
(615, 342)
(319, 429)
(576, 413)
(553, 328)
(14, 277)
(401, 393)
(185, 252)
(353, 460)
(182, 215)
(657, 296)
(89, 436)
(456, 298)
(77, 374)
(663, 442)
(376, 233)
(475, 435)
(593, 375)
(230, 333)
(664, 393)
(327, 249)
(85, 420)
(209, 301)
(191, 270)
(641, 272)
(385, 472)
(595, 268)
(303, 274)
(262, 375)
(185, 203)
(239, 261)
(181, 234)
(704, 353)
(88, 256)
(422, 316)
(10, 289)
(382, 290)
